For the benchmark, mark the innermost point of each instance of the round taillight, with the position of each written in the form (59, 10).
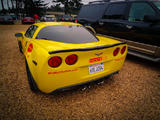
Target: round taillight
(30, 47)
(123, 49)
(71, 59)
(116, 51)
(55, 61)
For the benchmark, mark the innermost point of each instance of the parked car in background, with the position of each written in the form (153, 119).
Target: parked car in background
(48, 18)
(66, 18)
(13, 16)
(58, 18)
(6, 19)
(135, 21)
(28, 20)
(59, 55)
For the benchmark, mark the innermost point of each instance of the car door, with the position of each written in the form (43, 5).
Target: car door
(143, 35)
(28, 36)
(126, 20)
(113, 20)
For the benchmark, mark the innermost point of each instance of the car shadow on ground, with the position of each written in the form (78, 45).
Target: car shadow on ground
(146, 63)
(86, 88)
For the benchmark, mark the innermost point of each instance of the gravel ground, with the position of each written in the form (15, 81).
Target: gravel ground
(133, 94)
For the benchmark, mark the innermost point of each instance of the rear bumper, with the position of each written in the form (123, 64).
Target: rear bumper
(28, 22)
(84, 83)
(63, 80)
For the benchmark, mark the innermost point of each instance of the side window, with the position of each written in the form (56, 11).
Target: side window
(115, 11)
(139, 10)
(31, 30)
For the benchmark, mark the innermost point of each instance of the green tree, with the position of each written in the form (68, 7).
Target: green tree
(56, 8)
(69, 5)
(32, 7)
(8, 5)
(2, 5)
(12, 4)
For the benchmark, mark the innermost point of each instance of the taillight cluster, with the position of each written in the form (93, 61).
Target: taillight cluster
(56, 61)
(71, 59)
(117, 50)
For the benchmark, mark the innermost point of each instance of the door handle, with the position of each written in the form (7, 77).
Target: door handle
(101, 23)
(129, 26)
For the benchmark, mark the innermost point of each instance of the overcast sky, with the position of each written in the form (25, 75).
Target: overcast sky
(47, 1)
(84, 1)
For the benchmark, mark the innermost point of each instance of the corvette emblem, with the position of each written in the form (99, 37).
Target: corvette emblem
(98, 54)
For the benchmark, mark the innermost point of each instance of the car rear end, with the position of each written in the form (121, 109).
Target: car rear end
(66, 18)
(71, 68)
(49, 19)
(69, 55)
(6, 19)
(28, 20)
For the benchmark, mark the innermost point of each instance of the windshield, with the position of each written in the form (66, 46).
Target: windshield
(67, 34)
(157, 3)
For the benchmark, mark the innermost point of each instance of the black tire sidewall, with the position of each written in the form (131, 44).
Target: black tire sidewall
(31, 81)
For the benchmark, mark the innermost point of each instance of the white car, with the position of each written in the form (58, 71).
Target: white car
(48, 18)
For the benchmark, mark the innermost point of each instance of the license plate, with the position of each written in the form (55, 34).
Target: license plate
(96, 68)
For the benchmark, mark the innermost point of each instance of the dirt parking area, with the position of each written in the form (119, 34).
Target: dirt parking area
(133, 94)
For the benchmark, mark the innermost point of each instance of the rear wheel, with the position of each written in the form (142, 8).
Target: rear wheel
(31, 81)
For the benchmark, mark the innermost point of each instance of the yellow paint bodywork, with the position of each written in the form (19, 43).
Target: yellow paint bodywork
(49, 79)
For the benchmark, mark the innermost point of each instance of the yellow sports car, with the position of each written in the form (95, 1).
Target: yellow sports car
(59, 55)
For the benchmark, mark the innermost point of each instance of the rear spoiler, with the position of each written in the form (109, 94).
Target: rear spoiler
(87, 49)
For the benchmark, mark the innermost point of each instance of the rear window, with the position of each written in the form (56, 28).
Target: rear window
(92, 12)
(66, 33)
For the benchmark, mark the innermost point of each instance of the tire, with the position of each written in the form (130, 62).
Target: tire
(31, 81)
(20, 47)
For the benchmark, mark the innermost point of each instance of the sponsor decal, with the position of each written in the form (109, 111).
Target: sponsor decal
(63, 71)
(95, 59)
(119, 59)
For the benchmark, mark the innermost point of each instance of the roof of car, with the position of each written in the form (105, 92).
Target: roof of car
(55, 23)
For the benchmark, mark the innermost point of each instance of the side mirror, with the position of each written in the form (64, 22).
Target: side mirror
(19, 35)
(90, 29)
(151, 18)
